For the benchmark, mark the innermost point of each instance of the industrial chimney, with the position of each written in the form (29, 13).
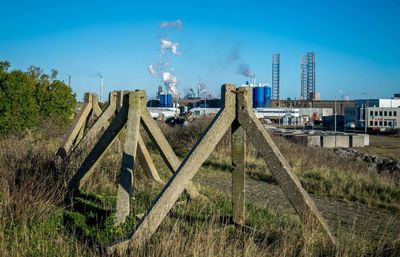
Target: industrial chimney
(101, 88)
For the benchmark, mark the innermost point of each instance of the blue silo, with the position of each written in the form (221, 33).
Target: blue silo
(169, 100)
(163, 100)
(268, 95)
(258, 97)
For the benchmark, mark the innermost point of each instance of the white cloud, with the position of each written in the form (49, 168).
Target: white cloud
(175, 24)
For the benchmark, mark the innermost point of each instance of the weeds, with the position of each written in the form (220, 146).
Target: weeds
(35, 222)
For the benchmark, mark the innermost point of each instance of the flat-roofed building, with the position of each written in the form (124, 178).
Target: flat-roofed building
(383, 118)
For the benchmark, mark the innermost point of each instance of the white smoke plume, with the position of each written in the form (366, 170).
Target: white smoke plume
(245, 70)
(170, 81)
(174, 24)
(169, 78)
(169, 45)
(172, 88)
(152, 70)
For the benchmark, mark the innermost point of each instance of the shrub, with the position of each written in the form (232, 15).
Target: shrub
(27, 97)
(18, 107)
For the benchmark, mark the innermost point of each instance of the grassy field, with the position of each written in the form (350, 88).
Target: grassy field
(34, 221)
(386, 146)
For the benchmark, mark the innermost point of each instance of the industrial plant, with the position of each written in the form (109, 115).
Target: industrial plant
(338, 115)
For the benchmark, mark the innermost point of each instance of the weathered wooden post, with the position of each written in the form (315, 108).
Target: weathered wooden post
(238, 172)
(128, 157)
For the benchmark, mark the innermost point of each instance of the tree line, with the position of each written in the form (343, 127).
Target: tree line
(28, 97)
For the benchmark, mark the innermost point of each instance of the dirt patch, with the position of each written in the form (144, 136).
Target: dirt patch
(355, 217)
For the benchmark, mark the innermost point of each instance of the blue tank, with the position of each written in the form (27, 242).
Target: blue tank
(163, 100)
(169, 100)
(268, 96)
(258, 97)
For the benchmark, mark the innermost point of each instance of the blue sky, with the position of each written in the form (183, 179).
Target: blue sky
(356, 42)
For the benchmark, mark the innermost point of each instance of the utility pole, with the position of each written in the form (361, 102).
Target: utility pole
(335, 113)
(101, 88)
(366, 114)
(340, 91)
(279, 105)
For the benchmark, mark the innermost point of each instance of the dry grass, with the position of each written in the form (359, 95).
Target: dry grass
(321, 171)
(386, 146)
(31, 208)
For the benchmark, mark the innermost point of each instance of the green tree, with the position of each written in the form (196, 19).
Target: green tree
(18, 107)
(26, 97)
(55, 99)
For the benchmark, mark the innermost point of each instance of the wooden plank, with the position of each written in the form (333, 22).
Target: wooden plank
(277, 164)
(162, 145)
(96, 108)
(101, 123)
(238, 144)
(128, 158)
(81, 133)
(99, 149)
(146, 162)
(79, 121)
(186, 171)
(120, 97)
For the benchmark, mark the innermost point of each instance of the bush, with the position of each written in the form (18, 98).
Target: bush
(18, 107)
(27, 97)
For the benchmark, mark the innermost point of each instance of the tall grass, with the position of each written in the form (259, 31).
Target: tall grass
(321, 171)
(32, 212)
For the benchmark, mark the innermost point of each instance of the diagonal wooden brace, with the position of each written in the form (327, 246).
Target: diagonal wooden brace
(186, 171)
(288, 181)
(168, 155)
(101, 122)
(106, 139)
(76, 127)
(147, 163)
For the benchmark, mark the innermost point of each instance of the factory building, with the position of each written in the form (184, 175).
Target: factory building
(373, 114)
(293, 116)
(340, 104)
(307, 76)
(383, 118)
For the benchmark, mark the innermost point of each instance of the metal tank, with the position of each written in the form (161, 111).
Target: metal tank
(258, 97)
(169, 100)
(163, 100)
(268, 95)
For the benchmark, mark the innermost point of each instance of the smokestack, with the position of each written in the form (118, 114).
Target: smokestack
(101, 88)
(69, 80)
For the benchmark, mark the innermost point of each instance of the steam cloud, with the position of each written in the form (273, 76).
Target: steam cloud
(169, 45)
(170, 81)
(175, 24)
(152, 71)
(162, 68)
